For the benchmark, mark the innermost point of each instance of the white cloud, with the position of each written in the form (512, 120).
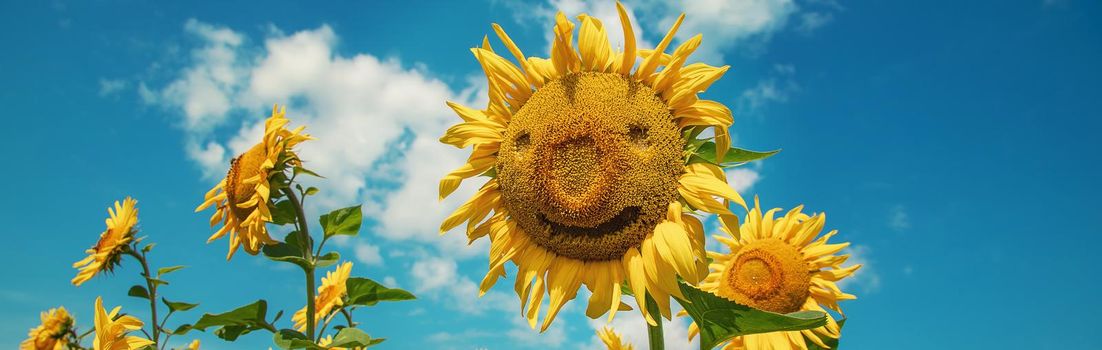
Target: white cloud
(438, 278)
(898, 219)
(110, 87)
(368, 254)
(866, 279)
(777, 87)
(810, 21)
(742, 179)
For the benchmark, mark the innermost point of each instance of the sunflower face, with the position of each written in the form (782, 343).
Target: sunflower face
(588, 178)
(768, 275)
(107, 253)
(55, 332)
(589, 165)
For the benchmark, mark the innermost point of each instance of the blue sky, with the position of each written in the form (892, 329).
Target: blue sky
(955, 144)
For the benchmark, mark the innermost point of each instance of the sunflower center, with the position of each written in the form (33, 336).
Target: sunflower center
(589, 165)
(769, 275)
(239, 188)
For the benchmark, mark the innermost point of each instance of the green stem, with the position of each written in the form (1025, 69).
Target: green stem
(152, 293)
(307, 253)
(655, 332)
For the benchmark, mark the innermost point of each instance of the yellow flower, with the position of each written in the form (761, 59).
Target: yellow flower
(589, 182)
(612, 340)
(194, 345)
(111, 330)
(778, 265)
(330, 295)
(55, 332)
(107, 253)
(242, 197)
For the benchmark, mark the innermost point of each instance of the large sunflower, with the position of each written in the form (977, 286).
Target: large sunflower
(242, 197)
(111, 330)
(330, 295)
(778, 265)
(107, 253)
(589, 178)
(55, 332)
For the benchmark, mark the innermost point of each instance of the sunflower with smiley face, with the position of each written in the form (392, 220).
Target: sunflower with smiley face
(588, 160)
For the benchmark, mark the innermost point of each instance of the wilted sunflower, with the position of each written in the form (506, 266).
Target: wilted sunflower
(778, 265)
(330, 295)
(55, 332)
(612, 340)
(107, 253)
(111, 330)
(242, 197)
(588, 168)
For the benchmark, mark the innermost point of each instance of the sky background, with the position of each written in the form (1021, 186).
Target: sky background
(955, 144)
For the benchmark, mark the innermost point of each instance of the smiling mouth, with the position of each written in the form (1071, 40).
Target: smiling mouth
(625, 218)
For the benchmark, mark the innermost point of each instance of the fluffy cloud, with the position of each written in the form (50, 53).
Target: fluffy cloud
(866, 279)
(633, 328)
(438, 278)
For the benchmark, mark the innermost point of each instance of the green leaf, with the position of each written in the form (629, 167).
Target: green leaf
(236, 322)
(344, 221)
(328, 259)
(364, 291)
(287, 253)
(283, 213)
(720, 319)
(178, 306)
(300, 170)
(148, 247)
(292, 339)
(158, 281)
(352, 337)
(734, 156)
(182, 329)
(138, 292)
(310, 191)
(164, 270)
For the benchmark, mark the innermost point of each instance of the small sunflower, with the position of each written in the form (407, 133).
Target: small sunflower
(242, 197)
(778, 265)
(113, 242)
(330, 295)
(590, 180)
(194, 345)
(55, 332)
(111, 330)
(612, 340)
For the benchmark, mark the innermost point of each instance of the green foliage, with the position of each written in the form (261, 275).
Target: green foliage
(364, 291)
(352, 337)
(178, 306)
(720, 319)
(283, 212)
(138, 292)
(328, 259)
(237, 322)
(170, 269)
(286, 252)
(706, 153)
(292, 339)
(344, 221)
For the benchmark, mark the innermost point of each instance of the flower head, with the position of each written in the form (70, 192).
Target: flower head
(589, 178)
(242, 197)
(778, 265)
(55, 332)
(113, 242)
(111, 330)
(330, 295)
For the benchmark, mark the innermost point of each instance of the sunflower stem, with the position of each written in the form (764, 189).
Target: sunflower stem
(654, 333)
(307, 253)
(152, 287)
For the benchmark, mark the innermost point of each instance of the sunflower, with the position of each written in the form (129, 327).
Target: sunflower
(113, 242)
(778, 265)
(111, 330)
(242, 197)
(612, 340)
(588, 164)
(330, 295)
(194, 345)
(55, 332)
